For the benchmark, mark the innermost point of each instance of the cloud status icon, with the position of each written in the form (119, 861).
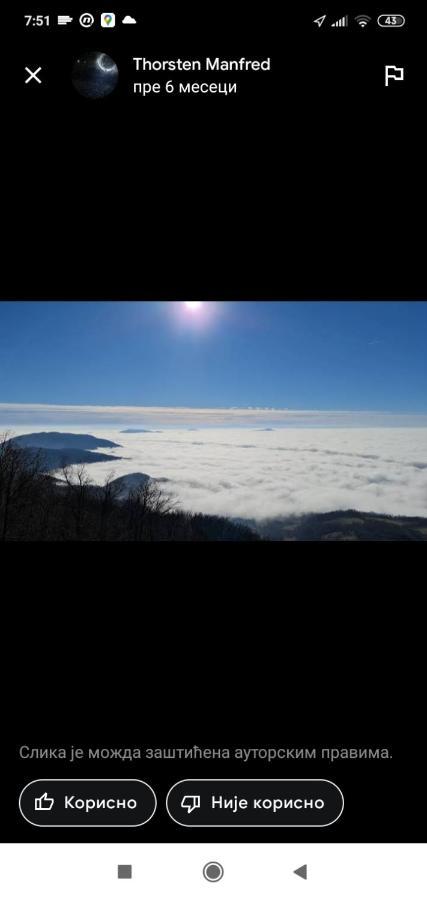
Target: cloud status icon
(128, 20)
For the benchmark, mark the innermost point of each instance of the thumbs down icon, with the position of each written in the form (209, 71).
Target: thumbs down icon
(190, 803)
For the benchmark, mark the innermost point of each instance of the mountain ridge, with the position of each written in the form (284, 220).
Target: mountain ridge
(340, 525)
(62, 440)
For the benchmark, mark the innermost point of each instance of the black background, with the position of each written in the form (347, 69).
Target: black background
(380, 801)
(304, 185)
(265, 674)
(308, 188)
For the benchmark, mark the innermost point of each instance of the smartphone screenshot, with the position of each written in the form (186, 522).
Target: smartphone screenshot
(213, 345)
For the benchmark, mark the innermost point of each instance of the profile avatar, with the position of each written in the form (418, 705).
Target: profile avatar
(95, 74)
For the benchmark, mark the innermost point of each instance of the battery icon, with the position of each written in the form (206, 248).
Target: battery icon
(385, 21)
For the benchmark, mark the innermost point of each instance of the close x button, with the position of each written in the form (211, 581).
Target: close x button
(100, 803)
(244, 803)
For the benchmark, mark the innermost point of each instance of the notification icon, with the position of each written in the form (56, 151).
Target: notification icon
(108, 20)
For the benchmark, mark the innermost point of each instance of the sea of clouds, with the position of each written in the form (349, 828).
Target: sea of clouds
(258, 473)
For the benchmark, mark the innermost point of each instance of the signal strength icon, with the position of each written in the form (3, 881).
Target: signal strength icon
(340, 23)
(363, 21)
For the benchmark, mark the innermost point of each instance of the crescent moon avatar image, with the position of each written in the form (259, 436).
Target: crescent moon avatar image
(95, 74)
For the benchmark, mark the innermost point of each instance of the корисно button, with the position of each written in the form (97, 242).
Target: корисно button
(100, 803)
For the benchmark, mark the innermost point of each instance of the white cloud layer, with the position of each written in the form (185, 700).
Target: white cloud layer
(259, 474)
(30, 414)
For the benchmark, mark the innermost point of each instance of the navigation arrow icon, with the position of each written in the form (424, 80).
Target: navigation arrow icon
(302, 872)
(319, 21)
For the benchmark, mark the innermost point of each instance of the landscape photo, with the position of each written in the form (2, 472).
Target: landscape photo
(206, 421)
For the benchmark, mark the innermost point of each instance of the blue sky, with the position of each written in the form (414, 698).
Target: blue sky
(316, 355)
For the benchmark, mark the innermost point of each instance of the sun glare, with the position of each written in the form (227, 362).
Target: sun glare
(193, 305)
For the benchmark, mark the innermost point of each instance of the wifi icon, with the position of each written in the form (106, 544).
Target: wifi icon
(363, 21)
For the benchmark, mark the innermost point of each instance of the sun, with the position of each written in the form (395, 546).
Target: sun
(194, 316)
(193, 305)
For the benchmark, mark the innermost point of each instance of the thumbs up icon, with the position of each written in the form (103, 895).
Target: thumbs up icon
(43, 803)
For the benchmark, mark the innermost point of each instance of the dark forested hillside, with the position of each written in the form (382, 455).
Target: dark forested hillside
(36, 506)
(344, 525)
